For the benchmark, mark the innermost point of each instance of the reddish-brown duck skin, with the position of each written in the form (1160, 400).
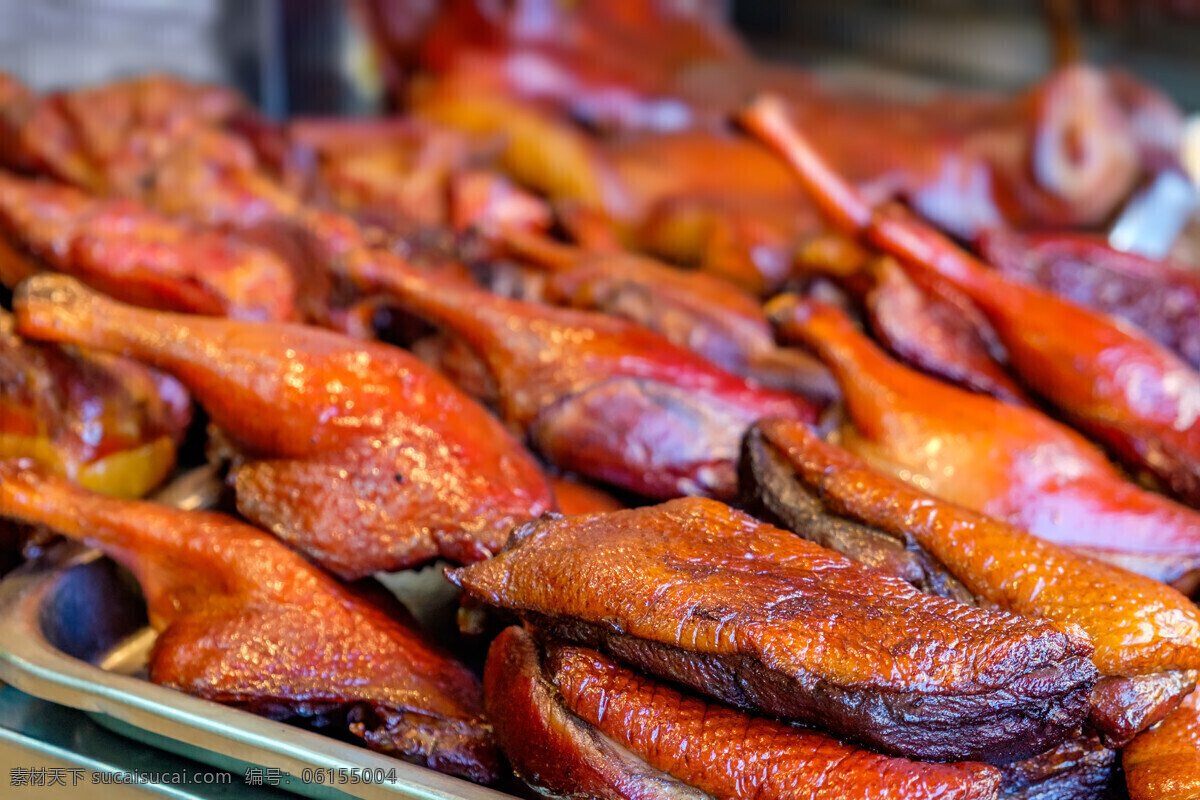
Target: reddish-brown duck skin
(1160, 297)
(575, 723)
(1005, 461)
(598, 395)
(137, 256)
(696, 310)
(1146, 635)
(243, 620)
(755, 616)
(1164, 763)
(1110, 380)
(358, 454)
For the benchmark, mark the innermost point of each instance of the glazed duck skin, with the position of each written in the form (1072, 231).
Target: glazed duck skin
(757, 617)
(109, 424)
(597, 395)
(1108, 379)
(1146, 635)
(137, 256)
(1164, 763)
(1161, 298)
(937, 331)
(694, 310)
(578, 724)
(356, 453)
(245, 621)
(1005, 461)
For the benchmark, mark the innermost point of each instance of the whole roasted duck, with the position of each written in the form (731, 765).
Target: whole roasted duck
(695, 592)
(1110, 380)
(574, 723)
(245, 621)
(1005, 461)
(355, 453)
(596, 395)
(1146, 635)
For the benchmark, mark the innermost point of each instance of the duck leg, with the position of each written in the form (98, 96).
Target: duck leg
(356, 453)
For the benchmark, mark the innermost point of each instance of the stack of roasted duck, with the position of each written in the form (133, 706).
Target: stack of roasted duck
(808, 447)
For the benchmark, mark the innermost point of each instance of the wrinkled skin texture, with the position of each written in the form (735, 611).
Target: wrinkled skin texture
(1110, 380)
(1145, 634)
(1160, 297)
(550, 749)
(1164, 763)
(245, 621)
(773, 492)
(136, 256)
(698, 593)
(110, 424)
(605, 731)
(694, 310)
(1078, 769)
(597, 395)
(1004, 461)
(355, 453)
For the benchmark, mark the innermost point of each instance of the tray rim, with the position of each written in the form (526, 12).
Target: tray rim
(30, 663)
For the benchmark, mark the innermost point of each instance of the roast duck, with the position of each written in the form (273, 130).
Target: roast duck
(810, 447)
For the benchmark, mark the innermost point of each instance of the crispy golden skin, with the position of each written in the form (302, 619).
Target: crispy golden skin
(244, 620)
(696, 592)
(358, 454)
(576, 723)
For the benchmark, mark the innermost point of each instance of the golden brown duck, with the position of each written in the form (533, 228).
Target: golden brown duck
(245, 621)
(356, 453)
(1005, 461)
(1108, 379)
(695, 592)
(572, 722)
(594, 394)
(1146, 635)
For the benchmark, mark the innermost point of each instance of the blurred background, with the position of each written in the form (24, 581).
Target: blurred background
(313, 56)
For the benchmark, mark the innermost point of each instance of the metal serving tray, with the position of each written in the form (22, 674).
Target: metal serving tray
(73, 631)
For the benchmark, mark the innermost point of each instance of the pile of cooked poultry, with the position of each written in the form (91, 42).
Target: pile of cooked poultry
(810, 446)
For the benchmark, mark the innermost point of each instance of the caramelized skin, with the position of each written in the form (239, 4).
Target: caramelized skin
(694, 310)
(551, 750)
(1164, 763)
(1110, 380)
(755, 616)
(1004, 461)
(598, 395)
(245, 621)
(605, 731)
(1145, 634)
(110, 424)
(1161, 298)
(935, 329)
(356, 453)
(140, 257)
(1078, 769)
